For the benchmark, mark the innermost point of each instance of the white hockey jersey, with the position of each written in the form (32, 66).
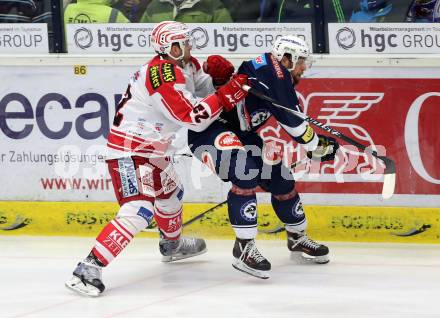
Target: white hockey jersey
(161, 99)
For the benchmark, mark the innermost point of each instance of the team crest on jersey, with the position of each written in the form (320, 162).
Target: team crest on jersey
(153, 74)
(297, 209)
(249, 210)
(227, 141)
(259, 61)
(258, 117)
(168, 73)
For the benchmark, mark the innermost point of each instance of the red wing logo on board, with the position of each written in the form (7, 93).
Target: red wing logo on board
(338, 110)
(396, 116)
(342, 110)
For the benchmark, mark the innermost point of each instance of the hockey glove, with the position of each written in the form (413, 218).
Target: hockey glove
(219, 68)
(231, 93)
(326, 150)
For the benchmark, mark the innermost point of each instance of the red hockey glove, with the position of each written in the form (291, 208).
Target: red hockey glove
(326, 150)
(219, 68)
(231, 93)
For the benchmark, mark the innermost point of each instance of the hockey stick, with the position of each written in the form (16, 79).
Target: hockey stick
(152, 228)
(389, 180)
(199, 216)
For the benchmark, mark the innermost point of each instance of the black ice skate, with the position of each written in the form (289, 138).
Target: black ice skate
(299, 242)
(86, 279)
(182, 248)
(249, 260)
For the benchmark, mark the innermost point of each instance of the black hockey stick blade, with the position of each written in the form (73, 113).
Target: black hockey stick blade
(389, 181)
(199, 216)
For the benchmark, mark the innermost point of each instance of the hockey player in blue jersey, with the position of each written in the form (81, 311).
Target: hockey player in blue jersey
(424, 11)
(233, 148)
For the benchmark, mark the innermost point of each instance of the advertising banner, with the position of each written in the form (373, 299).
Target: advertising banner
(53, 136)
(26, 38)
(212, 38)
(392, 38)
(393, 116)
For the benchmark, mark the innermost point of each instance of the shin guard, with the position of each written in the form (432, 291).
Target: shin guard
(289, 210)
(242, 209)
(111, 241)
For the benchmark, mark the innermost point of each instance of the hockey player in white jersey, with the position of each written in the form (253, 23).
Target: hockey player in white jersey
(159, 100)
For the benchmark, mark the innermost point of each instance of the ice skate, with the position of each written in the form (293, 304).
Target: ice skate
(248, 259)
(86, 279)
(299, 242)
(184, 247)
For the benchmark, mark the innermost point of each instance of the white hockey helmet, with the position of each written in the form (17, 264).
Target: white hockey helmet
(290, 44)
(166, 33)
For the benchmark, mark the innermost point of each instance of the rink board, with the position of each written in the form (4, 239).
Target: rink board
(327, 223)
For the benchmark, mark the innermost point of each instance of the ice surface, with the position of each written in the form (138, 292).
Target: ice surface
(361, 280)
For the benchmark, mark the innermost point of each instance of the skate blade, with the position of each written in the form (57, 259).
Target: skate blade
(238, 265)
(173, 258)
(82, 289)
(304, 258)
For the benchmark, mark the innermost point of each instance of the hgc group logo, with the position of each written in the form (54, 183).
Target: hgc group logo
(346, 38)
(83, 38)
(200, 37)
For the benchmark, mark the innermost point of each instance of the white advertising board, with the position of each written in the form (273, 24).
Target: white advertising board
(53, 128)
(391, 38)
(26, 38)
(212, 38)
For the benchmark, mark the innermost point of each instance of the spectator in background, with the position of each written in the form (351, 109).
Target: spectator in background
(372, 11)
(247, 11)
(93, 11)
(17, 11)
(28, 11)
(424, 11)
(43, 13)
(297, 11)
(187, 11)
(132, 9)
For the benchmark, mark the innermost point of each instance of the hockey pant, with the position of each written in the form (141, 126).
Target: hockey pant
(145, 188)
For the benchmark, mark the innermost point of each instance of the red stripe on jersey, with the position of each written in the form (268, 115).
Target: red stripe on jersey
(196, 63)
(212, 102)
(122, 134)
(177, 105)
(124, 142)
